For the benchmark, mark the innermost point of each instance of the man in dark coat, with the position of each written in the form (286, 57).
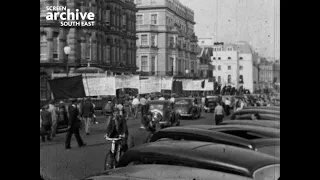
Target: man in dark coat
(46, 123)
(87, 114)
(74, 125)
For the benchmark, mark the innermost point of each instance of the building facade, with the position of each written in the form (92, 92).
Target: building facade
(205, 69)
(233, 64)
(110, 44)
(166, 43)
(205, 42)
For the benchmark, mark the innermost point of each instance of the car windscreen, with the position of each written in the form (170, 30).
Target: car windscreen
(156, 106)
(182, 101)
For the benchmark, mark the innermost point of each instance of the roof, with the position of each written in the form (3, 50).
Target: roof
(262, 111)
(165, 172)
(266, 142)
(200, 154)
(88, 70)
(201, 134)
(264, 123)
(270, 132)
(243, 47)
(271, 117)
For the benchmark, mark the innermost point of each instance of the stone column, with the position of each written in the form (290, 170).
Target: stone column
(50, 44)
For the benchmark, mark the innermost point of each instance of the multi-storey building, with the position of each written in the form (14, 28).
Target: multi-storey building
(167, 44)
(233, 64)
(204, 62)
(108, 45)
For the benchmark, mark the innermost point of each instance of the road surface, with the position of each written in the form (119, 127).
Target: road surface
(57, 163)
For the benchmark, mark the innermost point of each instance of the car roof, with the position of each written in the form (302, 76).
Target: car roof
(262, 111)
(264, 123)
(266, 142)
(202, 134)
(189, 98)
(272, 117)
(160, 172)
(206, 155)
(270, 132)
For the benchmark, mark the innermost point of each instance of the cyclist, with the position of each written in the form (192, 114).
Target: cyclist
(118, 127)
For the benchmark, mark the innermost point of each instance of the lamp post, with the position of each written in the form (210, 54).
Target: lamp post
(187, 72)
(67, 50)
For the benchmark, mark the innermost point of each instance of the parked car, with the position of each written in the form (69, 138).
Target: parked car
(275, 108)
(252, 111)
(186, 108)
(210, 103)
(158, 171)
(270, 117)
(164, 113)
(243, 131)
(204, 155)
(264, 123)
(194, 134)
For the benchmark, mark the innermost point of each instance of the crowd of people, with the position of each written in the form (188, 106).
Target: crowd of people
(81, 114)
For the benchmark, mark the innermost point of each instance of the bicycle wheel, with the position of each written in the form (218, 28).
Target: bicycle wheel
(109, 162)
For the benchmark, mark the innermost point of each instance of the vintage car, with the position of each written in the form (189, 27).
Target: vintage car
(243, 131)
(260, 111)
(210, 103)
(265, 123)
(268, 117)
(205, 155)
(194, 134)
(185, 107)
(276, 108)
(159, 172)
(163, 112)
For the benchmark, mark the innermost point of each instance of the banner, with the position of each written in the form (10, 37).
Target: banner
(166, 82)
(67, 87)
(149, 86)
(127, 82)
(99, 86)
(191, 85)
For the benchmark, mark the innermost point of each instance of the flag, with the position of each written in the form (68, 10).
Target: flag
(203, 83)
(67, 87)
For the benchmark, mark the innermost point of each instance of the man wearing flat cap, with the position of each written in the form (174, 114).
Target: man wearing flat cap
(74, 125)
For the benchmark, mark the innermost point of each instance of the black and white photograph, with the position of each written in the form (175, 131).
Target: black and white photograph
(160, 89)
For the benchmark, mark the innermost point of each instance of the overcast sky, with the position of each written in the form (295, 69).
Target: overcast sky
(239, 20)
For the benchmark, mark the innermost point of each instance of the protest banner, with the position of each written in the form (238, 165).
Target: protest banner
(99, 86)
(127, 81)
(149, 86)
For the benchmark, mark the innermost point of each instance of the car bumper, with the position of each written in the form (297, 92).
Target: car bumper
(164, 123)
(185, 115)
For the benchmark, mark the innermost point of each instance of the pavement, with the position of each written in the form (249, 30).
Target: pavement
(57, 163)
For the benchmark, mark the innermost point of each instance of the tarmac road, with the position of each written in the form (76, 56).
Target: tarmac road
(57, 163)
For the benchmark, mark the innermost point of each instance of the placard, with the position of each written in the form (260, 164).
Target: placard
(99, 86)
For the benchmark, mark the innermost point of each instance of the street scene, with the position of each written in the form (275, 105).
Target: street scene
(159, 89)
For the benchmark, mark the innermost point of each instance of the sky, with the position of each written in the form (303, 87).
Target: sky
(252, 21)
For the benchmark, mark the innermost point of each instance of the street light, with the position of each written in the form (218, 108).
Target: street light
(187, 72)
(67, 51)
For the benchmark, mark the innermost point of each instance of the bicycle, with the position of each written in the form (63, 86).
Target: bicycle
(114, 154)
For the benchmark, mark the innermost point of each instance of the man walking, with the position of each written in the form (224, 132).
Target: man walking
(87, 114)
(227, 103)
(218, 113)
(54, 117)
(135, 105)
(46, 123)
(73, 125)
(108, 112)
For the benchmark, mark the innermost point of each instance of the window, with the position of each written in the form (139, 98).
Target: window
(170, 65)
(171, 41)
(139, 19)
(241, 67)
(88, 47)
(107, 55)
(229, 79)
(108, 17)
(219, 79)
(243, 134)
(229, 58)
(43, 47)
(229, 67)
(241, 79)
(153, 64)
(219, 58)
(138, 2)
(154, 18)
(144, 63)
(241, 58)
(144, 40)
(214, 58)
(153, 40)
(219, 68)
(214, 67)
(55, 46)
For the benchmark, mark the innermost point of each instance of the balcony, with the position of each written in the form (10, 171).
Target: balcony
(147, 27)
